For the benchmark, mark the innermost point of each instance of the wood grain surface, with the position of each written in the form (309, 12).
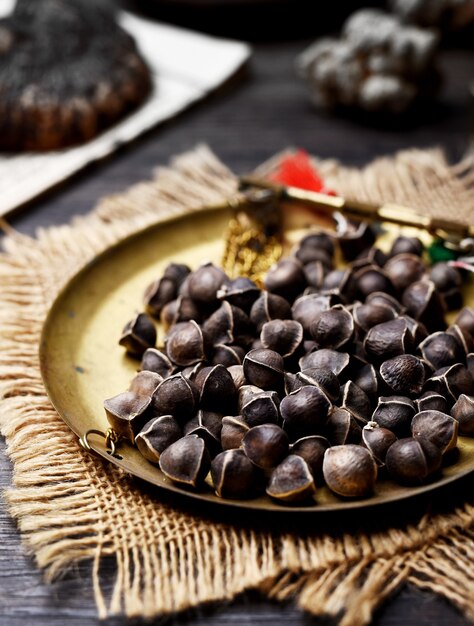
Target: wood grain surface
(262, 111)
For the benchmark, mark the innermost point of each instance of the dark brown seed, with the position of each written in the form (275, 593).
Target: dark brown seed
(264, 368)
(228, 355)
(309, 254)
(336, 362)
(312, 450)
(262, 409)
(439, 428)
(320, 241)
(349, 471)
(240, 292)
(237, 373)
(355, 239)
(266, 445)
(154, 360)
(410, 461)
(445, 277)
(233, 431)
(286, 278)
(291, 480)
(464, 339)
(430, 400)
(306, 308)
(377, 440)
(451, 382)
(183, 309)
(394, 413)
(370, 256)
(404, 269)
(185, 344)
(269, 306)
(321, 377)
(283, 336)
(470, 363)
(388, 339)
(228, 325)
(186, 461)
(463, 412)
(384, 299)
(410, 245)
(368, 315)
(204, 283)
(246, 393)
(233, 475)
(404, 374)
(127, 413)
(138, 335)
(366, 379)
(333, 329)
(465, 319)
(217, 389)
(340, 283)
(441, 349)
(157, 435)
(314, 273)
(305, 410)
(342, 428)
(176, 396)
(208, 426)
(423, 302)
(356, 402)
(418, 330)
(145, 383)
(159, 293)
(373, 278)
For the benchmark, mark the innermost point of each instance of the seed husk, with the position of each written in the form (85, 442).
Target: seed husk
(157, 435)
(349, 471)
(282, 336)
(264, 368)
(333, 329)
(377, 440)
(233, 474)
(311, 449)
(266, 445)
(185, 344)
(342, 428)
(154, 360)
(291, 480)
(394, 413)
(233, 431)
(186, 461)
(411, 461)
(138, 335)
(439, 428)
(404, 374)
(463, 412)
(305, 410)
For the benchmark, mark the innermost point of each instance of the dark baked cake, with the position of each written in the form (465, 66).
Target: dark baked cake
(67, 72)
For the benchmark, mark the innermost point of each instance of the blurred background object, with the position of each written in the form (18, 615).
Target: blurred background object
(444, 14)
(378, 64)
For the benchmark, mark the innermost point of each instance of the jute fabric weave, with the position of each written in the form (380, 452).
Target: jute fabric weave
(71, 506)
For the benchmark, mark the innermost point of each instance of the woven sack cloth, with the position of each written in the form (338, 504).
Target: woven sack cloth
(71, 506)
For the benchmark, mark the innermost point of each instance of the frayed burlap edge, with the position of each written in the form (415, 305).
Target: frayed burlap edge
(70, 506)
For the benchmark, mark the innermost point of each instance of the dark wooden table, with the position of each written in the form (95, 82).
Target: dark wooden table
(263, 111)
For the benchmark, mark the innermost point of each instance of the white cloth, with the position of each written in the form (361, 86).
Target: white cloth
(185, 65)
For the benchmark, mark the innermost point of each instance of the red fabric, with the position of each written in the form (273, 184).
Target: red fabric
(297, 170)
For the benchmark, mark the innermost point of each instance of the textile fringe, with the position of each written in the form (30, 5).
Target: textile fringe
(71, 506)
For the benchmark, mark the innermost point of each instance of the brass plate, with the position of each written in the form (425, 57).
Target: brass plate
(82, 363)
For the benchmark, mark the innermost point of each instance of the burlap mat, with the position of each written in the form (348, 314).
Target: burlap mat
(71, 506)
